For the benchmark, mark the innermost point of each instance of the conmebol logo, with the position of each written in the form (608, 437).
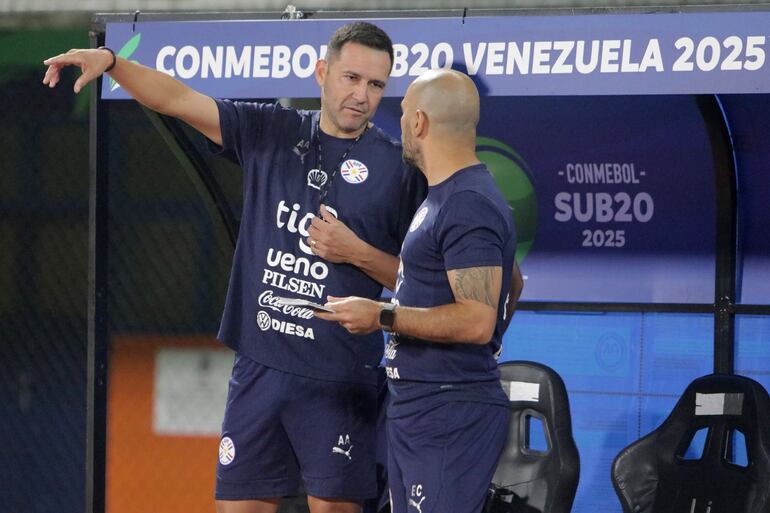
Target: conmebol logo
(221, 61)
(127, 51)
(512, 174)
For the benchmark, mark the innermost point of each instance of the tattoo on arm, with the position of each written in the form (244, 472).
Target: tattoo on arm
(478, 284)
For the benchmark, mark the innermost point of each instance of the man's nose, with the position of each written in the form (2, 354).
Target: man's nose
(361, 92)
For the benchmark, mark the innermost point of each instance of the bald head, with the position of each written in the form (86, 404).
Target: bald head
(440, 112)
(450, 100)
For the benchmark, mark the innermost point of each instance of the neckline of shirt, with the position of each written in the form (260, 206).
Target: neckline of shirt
(475, 167)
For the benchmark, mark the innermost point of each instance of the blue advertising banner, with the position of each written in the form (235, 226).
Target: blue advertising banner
(613, 196)
(604, 54)
(624, 211)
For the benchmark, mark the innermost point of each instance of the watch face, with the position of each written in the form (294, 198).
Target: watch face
(387, 317)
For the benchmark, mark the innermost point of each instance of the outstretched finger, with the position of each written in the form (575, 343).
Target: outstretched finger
(63, 59)
(51, 77)
(83, 80)
(52, 61)
(57, 63)
(326, 316)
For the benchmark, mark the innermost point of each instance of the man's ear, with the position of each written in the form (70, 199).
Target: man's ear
(420, 124)
(321, 67)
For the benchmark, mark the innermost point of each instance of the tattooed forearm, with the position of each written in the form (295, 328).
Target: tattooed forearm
(480, 284)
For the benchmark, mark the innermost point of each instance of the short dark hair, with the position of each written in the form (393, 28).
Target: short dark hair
(363, 33)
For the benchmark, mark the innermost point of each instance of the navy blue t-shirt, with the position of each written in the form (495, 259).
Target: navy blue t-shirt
(374, 193)
(464, 222)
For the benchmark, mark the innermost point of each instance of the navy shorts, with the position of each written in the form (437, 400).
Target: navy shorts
(442, 460)
(281, 427)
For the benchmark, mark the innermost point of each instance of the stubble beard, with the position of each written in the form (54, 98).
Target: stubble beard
(411, 156)
(336, 119)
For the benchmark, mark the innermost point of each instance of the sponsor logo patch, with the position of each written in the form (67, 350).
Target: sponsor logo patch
(263, 320)
(316, 178)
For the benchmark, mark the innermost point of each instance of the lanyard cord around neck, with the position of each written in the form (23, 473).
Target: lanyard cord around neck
(324, 191)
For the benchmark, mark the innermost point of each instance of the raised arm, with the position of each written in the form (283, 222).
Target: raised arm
(153, 89)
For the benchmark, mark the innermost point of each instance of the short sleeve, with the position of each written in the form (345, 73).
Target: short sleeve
(241, 124)
(470, 232)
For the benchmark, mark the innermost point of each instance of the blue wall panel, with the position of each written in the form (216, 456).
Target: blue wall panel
(752, 348)
(623, 371)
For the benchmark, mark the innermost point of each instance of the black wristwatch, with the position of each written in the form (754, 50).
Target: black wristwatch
(388, 317)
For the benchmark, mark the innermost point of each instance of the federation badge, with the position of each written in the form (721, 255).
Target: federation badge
(354, 172)
(226, 451)
(419, 217)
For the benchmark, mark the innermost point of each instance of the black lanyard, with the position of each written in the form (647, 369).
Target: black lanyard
(324, 189)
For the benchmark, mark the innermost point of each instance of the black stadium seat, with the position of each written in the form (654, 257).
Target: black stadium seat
(711, 455)
(534, 477)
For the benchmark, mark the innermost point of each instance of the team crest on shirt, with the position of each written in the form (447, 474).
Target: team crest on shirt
(316, 178)
(354, 172)
(419, 217)
(226, 451)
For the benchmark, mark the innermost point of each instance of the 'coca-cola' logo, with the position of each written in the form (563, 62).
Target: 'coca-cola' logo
(267, 300)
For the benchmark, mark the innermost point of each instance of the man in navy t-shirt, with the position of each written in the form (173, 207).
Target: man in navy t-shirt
(448, 415)
(327, 202)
